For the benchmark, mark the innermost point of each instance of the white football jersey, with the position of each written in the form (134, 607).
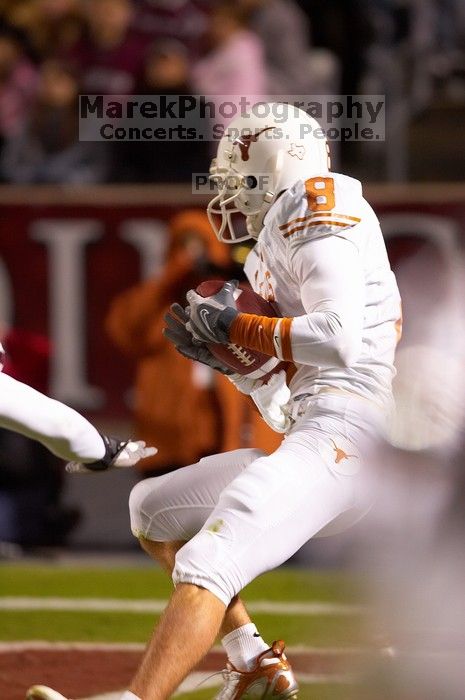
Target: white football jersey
(328, 216)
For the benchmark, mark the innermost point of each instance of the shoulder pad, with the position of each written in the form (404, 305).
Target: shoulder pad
(322, 205)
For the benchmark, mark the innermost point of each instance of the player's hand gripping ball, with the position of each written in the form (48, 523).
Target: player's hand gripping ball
(252, 363)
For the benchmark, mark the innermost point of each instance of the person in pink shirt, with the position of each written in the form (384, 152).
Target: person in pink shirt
(234, 66)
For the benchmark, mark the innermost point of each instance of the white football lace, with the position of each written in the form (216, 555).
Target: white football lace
(241, 354)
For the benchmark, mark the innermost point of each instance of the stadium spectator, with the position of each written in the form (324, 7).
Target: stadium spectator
(345, 29)
(52, 26)
(173, 392)
(435, 50)
(16, 12)
(110, 57)
(184, 20)
(18, 83)
(234, 64)
(166, 72)
(293, 68)
(48, 149)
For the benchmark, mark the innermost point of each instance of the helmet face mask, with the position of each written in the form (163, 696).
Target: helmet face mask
(258, 158)
(234, 196)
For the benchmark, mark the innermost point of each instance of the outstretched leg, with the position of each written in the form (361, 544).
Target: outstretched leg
(236, 615)
(193, 613)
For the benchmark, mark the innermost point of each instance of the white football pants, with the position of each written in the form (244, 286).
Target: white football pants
(243, 513)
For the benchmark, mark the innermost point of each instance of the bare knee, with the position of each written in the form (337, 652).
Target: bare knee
(162, 552)
(205, 562)
(197, 596)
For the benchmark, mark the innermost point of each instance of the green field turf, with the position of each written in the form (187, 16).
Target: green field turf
(315, 691)
(132, 584)
(48, 625)
(284, 585)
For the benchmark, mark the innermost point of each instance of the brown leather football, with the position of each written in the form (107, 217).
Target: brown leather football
(241, 360)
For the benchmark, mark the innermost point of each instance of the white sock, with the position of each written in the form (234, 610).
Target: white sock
(129, 696)
(243, 645)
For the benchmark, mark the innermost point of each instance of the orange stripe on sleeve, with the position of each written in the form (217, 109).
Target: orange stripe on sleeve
(286, 345)
(316, 215)
(321, 222)
(254, 332)
(294, 221)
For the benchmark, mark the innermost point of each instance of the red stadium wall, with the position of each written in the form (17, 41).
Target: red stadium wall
(64, 255)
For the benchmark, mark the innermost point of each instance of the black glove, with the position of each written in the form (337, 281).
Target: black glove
(182, 339)
(210, 318)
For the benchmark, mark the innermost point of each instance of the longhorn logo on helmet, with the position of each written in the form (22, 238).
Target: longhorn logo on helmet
(244, 142)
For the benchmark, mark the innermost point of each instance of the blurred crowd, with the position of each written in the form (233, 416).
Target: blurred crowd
(53, 50)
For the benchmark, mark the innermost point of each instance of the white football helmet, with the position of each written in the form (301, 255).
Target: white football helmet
(258, 158)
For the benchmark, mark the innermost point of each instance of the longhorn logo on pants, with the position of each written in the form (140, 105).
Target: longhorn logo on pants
(340, 454)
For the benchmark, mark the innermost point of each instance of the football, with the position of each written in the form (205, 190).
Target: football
(241, 360)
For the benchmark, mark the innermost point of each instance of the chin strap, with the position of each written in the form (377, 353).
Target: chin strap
(255, 221)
